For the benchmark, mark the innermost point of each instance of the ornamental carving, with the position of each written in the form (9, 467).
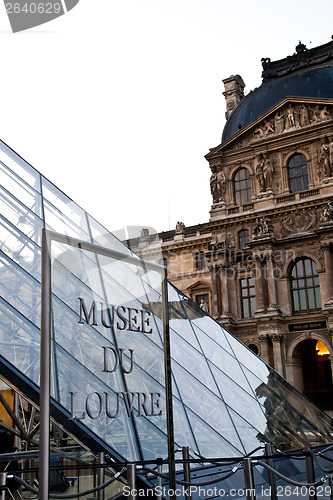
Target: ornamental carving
(217, 184)
(292, 118)
(300, 221)
(325, 158)
(262, 229)
(328, 213)
(264, 171)
(180, 228)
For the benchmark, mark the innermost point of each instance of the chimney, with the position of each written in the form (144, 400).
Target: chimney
(234, 92)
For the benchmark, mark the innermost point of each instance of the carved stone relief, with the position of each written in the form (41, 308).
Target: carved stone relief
(299, 221)
(293, 117)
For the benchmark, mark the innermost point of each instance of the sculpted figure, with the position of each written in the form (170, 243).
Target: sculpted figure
(260, 172)
(324, 157)
(325, 114)
(330, 152)
(268, 173)
(304, 116)
(279, 123)
(258, 133)
(269, 129)
(217, 185)
(290, 118)
(316, 114)
(328, 212)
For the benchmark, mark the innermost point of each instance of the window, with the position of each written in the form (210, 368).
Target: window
(242, 186)
(248, 297)
(305, 285)
(298, 173)
(200, 262)
(243, 238)
(203, 301)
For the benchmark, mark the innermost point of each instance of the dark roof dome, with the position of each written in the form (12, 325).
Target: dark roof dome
(316, 83)
(307, 73)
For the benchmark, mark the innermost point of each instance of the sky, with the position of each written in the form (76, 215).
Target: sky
(118, 101)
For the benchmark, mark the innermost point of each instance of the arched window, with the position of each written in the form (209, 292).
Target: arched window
(243, 238)
(298, 173)
(242, 186)
(305, 285)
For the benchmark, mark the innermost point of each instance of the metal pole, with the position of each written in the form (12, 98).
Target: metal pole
(131, 481)
(168, 387)
(101, 493)
(187, 470)
(310, 473)
(3, 480)
(45, 350)
(331, 487)
(249, 479)
(159, 483)
(271, 476)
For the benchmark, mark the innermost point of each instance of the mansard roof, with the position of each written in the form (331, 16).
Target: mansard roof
(308, 73)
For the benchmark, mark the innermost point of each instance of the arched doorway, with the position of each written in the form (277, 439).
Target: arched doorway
(313, 373)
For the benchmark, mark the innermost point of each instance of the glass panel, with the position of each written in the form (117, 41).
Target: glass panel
(19, 248)
(311, 299)
(19, 166)
(20, 190)
(302, 298)
(64, 205)
(16, 213)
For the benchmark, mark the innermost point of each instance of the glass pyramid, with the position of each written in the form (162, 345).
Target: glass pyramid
(226, 400)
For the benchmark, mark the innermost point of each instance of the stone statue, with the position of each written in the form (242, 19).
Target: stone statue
(330, 152)
(217, 185)
(258, 133)
(260, 172)
(290, 118)
(268, 173)
(204, 305)
(324, 157)
(328, 212)
(180, 227)
(268, 127)
(316, 114)
(279, 123)
(325, 114)
(305, 116)
(263, 228)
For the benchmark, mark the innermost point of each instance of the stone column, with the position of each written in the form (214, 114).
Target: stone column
(277, 355)
(258, 283)
(328, 273)
(224, 290)
(264, 354)
(271, 282)
(214, 269)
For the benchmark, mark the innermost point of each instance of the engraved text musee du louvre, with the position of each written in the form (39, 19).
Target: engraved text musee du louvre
(137, 321)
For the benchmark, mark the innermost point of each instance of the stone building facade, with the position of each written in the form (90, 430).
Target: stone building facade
(262, 265)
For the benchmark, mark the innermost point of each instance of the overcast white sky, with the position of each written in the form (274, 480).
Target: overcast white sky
(118, 101)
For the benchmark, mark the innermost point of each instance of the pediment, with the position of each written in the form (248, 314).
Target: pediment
(289, 115)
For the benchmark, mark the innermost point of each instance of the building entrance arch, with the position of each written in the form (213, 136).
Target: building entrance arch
(312, 370)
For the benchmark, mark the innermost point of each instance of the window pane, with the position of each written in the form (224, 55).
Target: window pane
(302, 299)
(246, 308)
(311, 298)
(296, 301)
